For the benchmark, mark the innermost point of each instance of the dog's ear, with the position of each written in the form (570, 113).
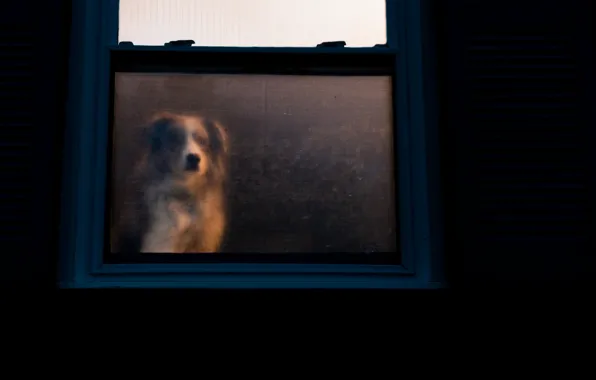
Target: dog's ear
(218, 137)
(156, 130)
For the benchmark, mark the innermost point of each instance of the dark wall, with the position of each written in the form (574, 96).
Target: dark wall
(33, 67)
(517, 134)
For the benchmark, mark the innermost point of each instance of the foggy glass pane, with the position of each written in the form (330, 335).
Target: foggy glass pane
(253, 22)
(309, 162)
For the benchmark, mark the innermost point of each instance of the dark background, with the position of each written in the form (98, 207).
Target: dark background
(517, 136)
(503, 220)
(311, 157)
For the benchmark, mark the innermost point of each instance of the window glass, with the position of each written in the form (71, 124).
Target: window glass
(252, 163)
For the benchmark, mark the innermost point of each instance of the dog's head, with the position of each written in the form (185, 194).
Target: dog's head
(186, 146)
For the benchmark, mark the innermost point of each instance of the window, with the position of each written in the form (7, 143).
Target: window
(251, 158)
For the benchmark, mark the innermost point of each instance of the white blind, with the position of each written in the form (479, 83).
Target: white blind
(253, 22)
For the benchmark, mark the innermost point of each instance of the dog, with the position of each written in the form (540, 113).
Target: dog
(179, 204)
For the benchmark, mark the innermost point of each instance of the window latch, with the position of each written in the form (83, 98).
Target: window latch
(180, 43)
(338, 44)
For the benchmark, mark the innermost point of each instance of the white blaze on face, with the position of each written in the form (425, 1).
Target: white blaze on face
(194, 134)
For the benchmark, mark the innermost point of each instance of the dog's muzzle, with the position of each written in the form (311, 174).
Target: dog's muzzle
(192, 162)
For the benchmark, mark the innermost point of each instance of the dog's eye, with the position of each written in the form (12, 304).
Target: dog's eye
(199, 139)
(171, 141)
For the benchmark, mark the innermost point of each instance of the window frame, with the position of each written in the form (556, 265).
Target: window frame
(95, 35)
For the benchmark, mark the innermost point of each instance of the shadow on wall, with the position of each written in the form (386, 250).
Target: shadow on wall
(311, 166)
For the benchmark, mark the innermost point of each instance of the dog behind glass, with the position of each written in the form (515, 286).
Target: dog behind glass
(180, 207)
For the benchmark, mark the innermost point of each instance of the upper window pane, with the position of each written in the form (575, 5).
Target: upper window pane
(291, 23)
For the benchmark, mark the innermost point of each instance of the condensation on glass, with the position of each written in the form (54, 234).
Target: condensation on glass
(311, 161)
(289, 23)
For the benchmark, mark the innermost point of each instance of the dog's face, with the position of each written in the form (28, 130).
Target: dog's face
(186, 146)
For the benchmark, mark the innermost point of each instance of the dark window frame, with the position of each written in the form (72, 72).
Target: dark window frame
(94, 41)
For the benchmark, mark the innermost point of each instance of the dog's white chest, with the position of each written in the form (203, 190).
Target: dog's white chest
(168, 219)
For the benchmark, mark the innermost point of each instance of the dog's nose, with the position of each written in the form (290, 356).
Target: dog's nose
(192, 161)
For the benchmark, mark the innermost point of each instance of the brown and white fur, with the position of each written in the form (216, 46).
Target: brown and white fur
(181, 180)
